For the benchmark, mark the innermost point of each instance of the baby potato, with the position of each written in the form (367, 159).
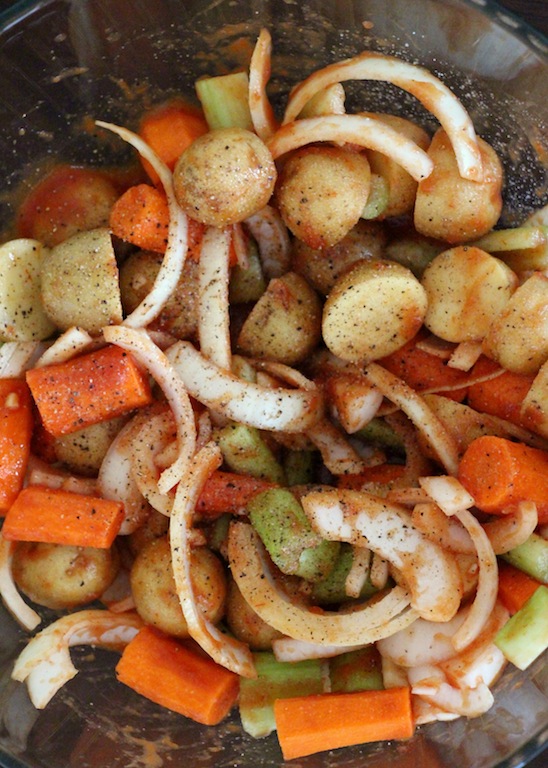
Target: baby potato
(454, 209)
(467, 289)
(155, 594)
(154, 527)
(402, 187)
(80, 282)
(224, 177)
(22, 313)
(374, 309)
(245, 624)
(179, 315)
(61, 577)
(321, 267)
(321, 193)
(285, 323)
(83, 451)
(518, 337)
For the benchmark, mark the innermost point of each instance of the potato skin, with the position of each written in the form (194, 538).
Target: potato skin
(224, 177)
(245, 624)
(155, 594)
(62, 577)
(321, 193)
(83, 451)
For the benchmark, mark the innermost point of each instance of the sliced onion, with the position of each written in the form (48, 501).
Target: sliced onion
(262, 114)
(359, 571)
(379, 572)
(511, 530)
(429, 682)
(45, 664)
(365, 520)
(355, 129)
(177, 238)
(41, 473)
(240, 245)
(270, 233)
(465, 355)
(425, 712)
(224, 649)
(376, 619)
(21, 612)
(213, 278)
(288, 410)
(425, 86)
(412, 404)
(289, 649)
(447, 531)
(139, 343)
(338, 454)
(16, 357)
(155, 431)
(72, 342)
(447, 492)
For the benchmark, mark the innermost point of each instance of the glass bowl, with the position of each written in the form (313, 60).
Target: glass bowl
(64, 63)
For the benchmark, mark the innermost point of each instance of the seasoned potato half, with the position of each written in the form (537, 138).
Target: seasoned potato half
(373, 309)
(22, 313)
(454, 209)
(83, 451)
(285, 324)
(80, 282)
(321, 193)
(466, 289)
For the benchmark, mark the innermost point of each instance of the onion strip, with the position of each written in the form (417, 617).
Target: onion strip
(213, 278)
(509, 531)
(262, 114)
(177, 238)
(418, 81)
(270, 233)
(21, 612)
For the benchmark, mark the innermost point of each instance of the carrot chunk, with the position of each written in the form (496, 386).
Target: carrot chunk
(16, 422)
(228, 492)
(309, 724)
(515, 587)
(88, 389)
(499, 473)
(141, 216)
(169, 673)
(56, 516)
(502, 396)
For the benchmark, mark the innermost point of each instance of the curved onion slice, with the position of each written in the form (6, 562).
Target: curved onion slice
(448, 493)
(338, 454)
(362, 519)
(270, 232)
(72, 342)
(289, 649)
(177, 238)
(359, 571)
(45, 664)
(154, 433)
(425, 86)
(412, 404)
(21, 612)
(435, 524)
(376, 619)
(225, 650)
(429, 682)
(262, 114)
(354, 129)
(213, 277)
(288, 410)
(18, 356)
(139, 343)
(513, 529)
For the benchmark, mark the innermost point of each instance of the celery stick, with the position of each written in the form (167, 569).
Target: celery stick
(247, 284)
(525, 636)
(531, 557)
(378, 198)
(275, 680)
(217, 534)
(377, 432)
(299, 467)
(331, 590)
(287, 535)
(359, 670)
(224, 100)
(245, 451)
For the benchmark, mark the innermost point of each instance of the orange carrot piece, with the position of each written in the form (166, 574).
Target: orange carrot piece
(380, 474)
(66, 201)
(56, 516)
(88, 389)
(171, 674)
(141, 216)
(309, 724)
(228, 492)
(502, 396)
(424, 371)
(169, 130)
(515, 586)
(16, 424)
(499, 473)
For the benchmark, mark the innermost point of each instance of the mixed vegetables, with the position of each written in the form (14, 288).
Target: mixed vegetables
(274, 413)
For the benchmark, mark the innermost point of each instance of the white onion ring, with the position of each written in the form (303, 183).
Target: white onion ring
(512, 529)
(177, 238)
(376, 619)
(447, 492)
(262, 114)
(16, 357)
(155, 431)
(338, 454)
(289, 649)
(359, 571)
(225, 650)
(270, 233)
(353, 129)
(277, 409)
(448, 532)
(213, 278)
(425, 86)
(429, 683)
(72, 342)
(21, 612)
(139, 343)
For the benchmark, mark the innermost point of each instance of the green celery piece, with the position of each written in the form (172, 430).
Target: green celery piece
(247, 284)
(525, 636)
(414, 252)
(377, 200)
(331, 590)
(275, 680)
(245, 451)
(359, 670)
(224, 100)
(299, 467)
(378, 432)
(218, 532)
(287, 535)
(531, 557)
